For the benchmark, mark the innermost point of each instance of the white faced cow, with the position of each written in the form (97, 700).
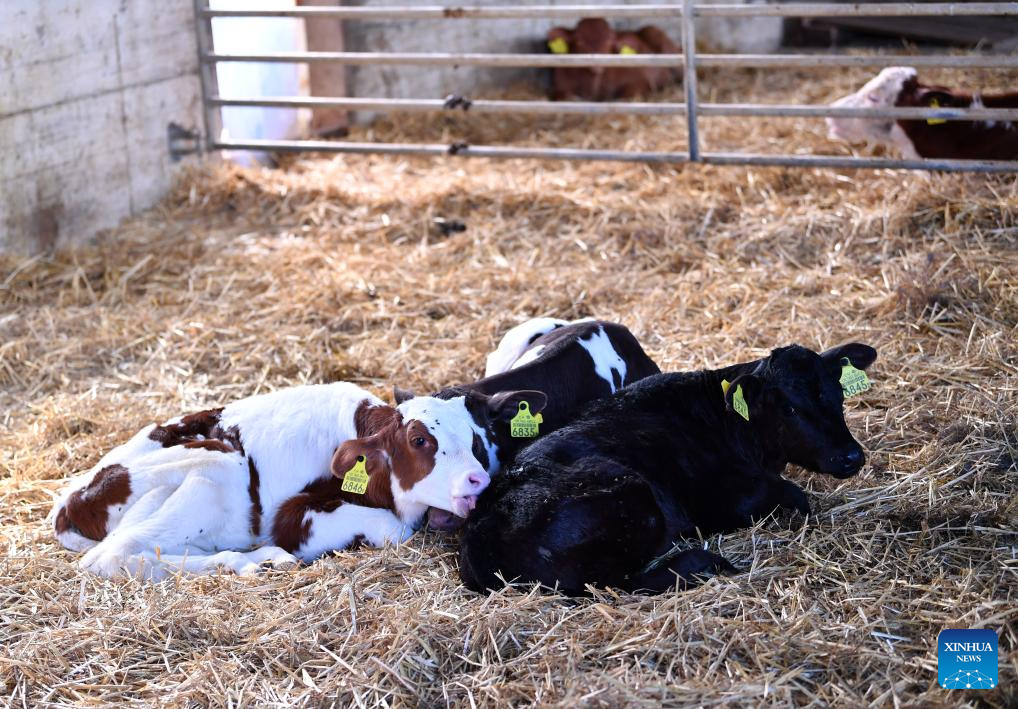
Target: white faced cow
(262, 480)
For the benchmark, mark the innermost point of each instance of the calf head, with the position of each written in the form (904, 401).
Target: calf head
(485, 419)
(421, 451)
(593, 35)
(795, 398)
(885, 90)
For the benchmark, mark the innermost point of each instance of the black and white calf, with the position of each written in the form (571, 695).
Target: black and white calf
(596, 501)
(264, 480)
(556, 367)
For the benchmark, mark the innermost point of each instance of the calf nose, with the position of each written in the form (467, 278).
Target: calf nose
(478, 481)
(853, 458)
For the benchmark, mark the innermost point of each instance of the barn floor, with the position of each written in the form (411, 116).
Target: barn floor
(248, 280)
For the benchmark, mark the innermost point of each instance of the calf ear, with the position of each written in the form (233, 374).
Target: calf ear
(506, 404)
(376, 461)
(861, 356)
(752, 390)
(400, 395)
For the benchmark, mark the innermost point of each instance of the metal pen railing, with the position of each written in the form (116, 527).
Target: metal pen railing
(689, 62)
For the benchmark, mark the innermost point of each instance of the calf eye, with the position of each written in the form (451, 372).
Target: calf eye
(419, 441)
(788, 410)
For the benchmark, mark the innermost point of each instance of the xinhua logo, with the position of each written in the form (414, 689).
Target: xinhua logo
(967, 659)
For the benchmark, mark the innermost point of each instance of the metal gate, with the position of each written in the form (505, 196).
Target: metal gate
(689, 62)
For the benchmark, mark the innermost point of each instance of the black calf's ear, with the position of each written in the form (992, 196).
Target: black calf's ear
(743, 395)
(861, 356)
(401, 395)
(506, 404)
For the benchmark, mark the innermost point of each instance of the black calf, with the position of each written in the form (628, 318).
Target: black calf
(598, 500)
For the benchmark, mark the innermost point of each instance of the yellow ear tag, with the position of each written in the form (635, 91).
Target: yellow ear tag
(933, 122)
(626, 49)
(739, 403)
(558, 46)
(524, 424)
(724, 387)
(356, 478)
(853, 381)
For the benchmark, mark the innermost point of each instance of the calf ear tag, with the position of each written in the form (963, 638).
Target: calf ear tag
(934, 103)
(558, 46)
(725, 384)
(853, 381)
(626, 49)
(524, 424)
(739, 403)
(355, 479)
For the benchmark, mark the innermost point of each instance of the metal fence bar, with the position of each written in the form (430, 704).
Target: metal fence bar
(624, 60)
(689, 79)
(856, 162)
(460, 150)
(211, 117)
(712, 158)
(621, 109)
(457, 59)
(880, 9)
(495, 12)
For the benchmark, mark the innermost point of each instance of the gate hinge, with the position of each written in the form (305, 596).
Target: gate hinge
(182, 141)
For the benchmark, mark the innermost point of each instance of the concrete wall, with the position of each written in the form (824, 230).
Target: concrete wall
(89, 87)
(504, 36)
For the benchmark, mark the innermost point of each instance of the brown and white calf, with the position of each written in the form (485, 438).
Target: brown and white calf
(594, 35)
(922, 138)
(261, 479)
(557, 367)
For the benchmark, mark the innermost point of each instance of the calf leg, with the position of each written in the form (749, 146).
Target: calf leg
(317, 532)
(681, 569)
(198, 515)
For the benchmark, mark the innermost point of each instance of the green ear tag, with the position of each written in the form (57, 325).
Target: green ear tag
(356, 478)
(739, 403)
(724, 387)
(935, 121)
(524, 424)
(853, 381)
(558, 46)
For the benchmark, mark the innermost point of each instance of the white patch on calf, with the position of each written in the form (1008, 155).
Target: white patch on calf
(882, 91)
(599, 346)
(337, 529)
(529, 356)
(515, 342)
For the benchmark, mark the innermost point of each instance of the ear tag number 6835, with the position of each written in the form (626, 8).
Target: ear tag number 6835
(356, 478)
(524, 424)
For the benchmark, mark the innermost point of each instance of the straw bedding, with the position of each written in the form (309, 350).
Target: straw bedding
(243, 281)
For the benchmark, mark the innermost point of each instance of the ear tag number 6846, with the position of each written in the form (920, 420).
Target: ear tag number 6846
(355, 479)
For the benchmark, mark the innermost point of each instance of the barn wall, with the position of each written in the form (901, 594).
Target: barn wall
(502, 36)
(89, 88)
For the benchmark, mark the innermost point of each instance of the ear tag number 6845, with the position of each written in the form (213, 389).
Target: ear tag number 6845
(853, 381)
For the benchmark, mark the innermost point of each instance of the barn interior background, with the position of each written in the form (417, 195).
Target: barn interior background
(134, 285)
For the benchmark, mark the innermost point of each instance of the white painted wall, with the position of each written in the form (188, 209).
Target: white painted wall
(88, 89)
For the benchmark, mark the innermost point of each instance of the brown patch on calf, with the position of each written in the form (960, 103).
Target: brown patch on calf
(254, 492)
(212, 444)
(199, 431)
(87, 509)
(291, 529)
(962, 140)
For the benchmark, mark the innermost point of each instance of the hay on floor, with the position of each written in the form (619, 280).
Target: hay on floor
(244, 281)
